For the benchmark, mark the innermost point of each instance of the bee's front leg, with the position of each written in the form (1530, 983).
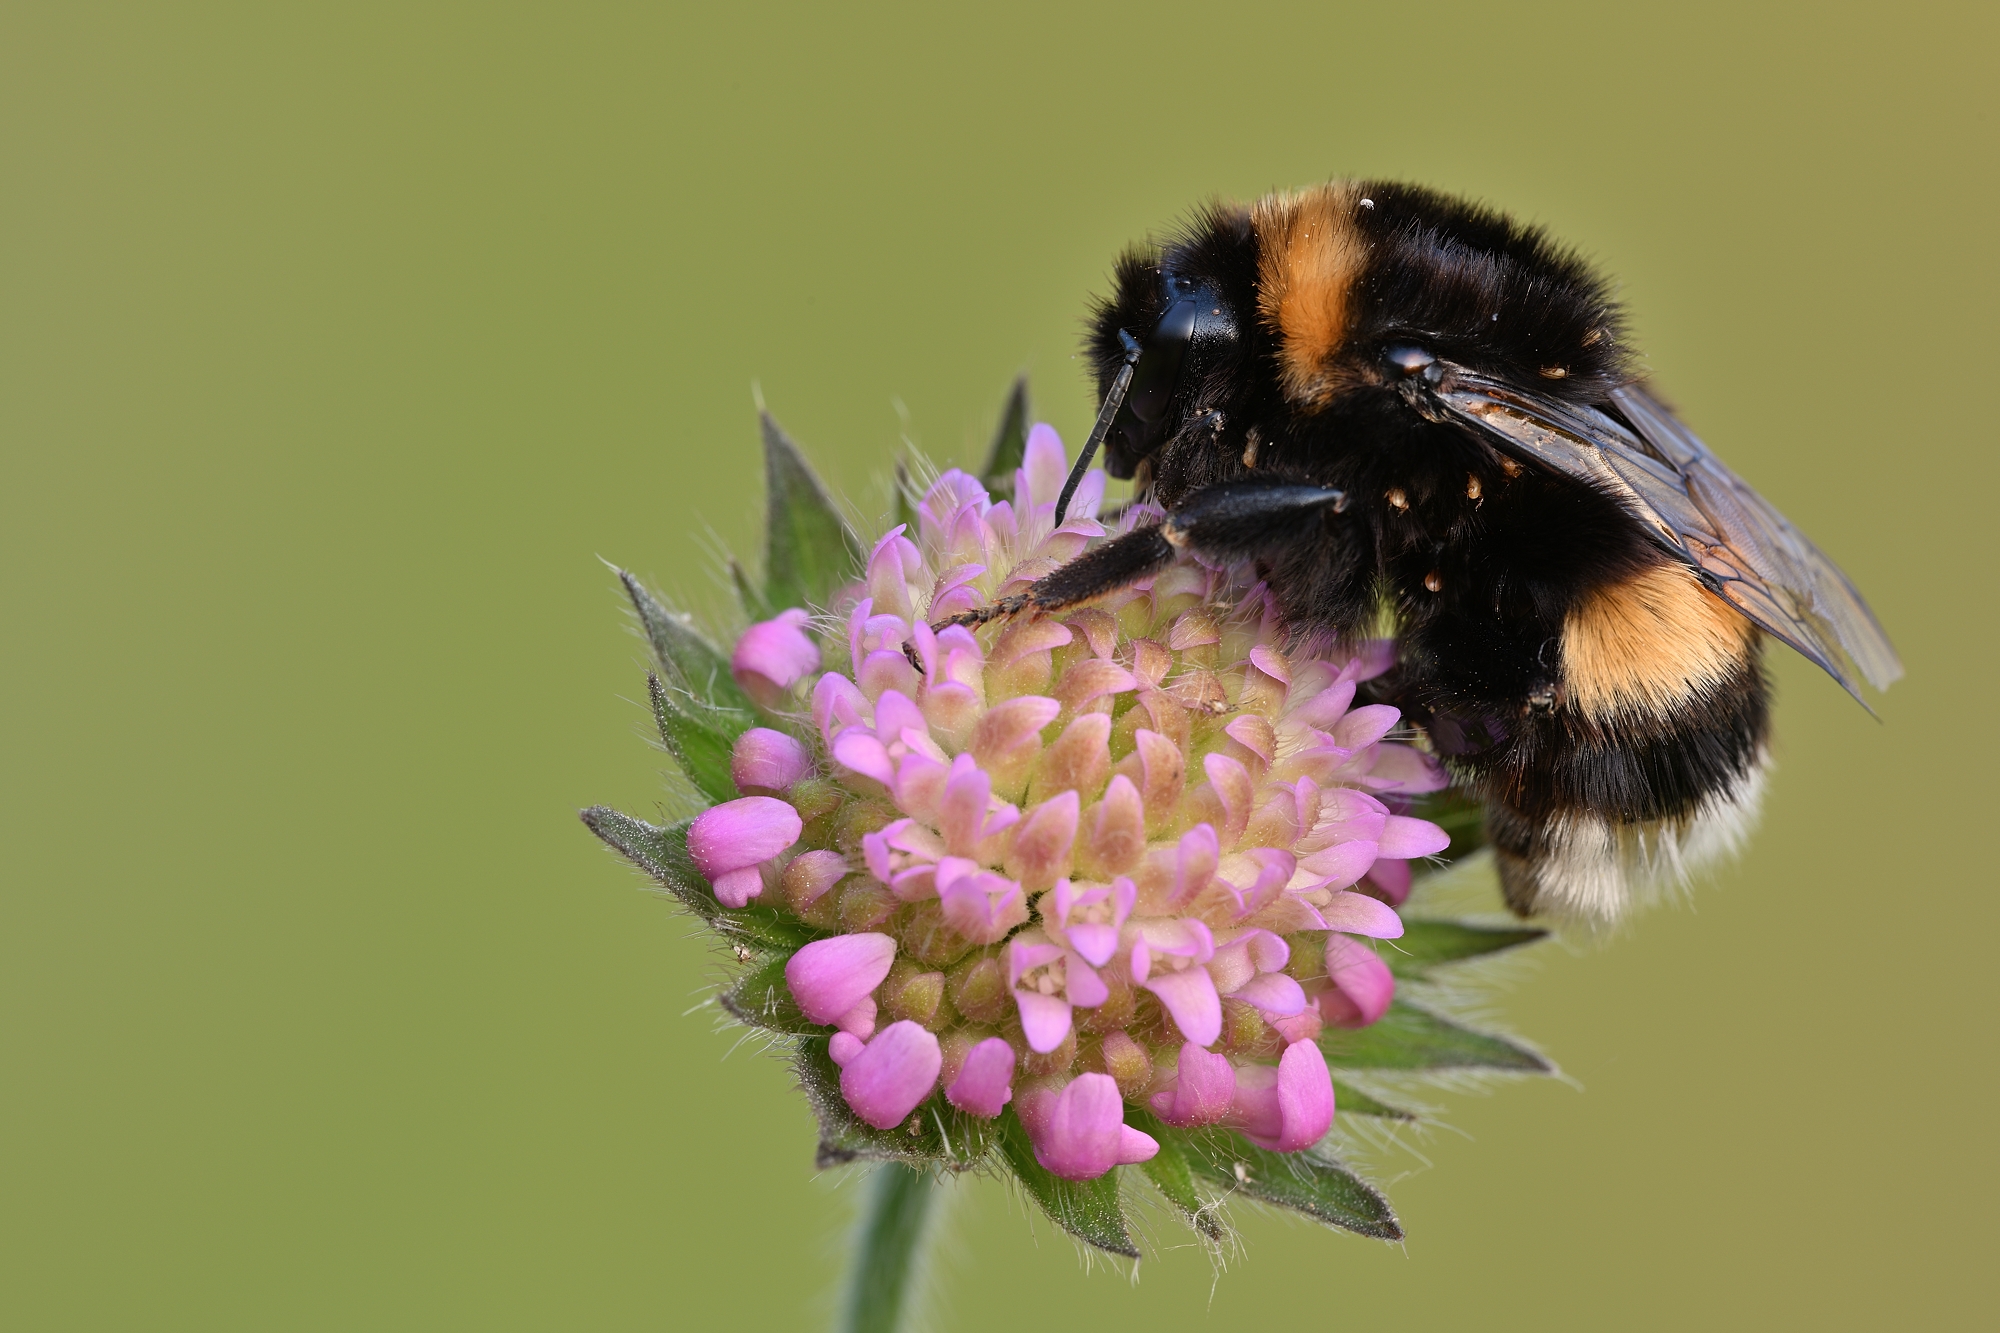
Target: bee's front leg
(1234, 521)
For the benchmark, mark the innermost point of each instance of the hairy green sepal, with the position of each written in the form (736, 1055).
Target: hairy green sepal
(1409, 1037)
(1426, 944)
(808, 550)
(1304, 1182)
(1010, 442)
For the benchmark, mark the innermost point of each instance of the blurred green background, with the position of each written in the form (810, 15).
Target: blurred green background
(337, 343)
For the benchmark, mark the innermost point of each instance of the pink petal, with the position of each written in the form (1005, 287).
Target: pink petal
(1244, 956)
(740, 833)
(920, 783)
(734, 888)
(837, 705)
(1393, 879)
(1189, 996)
(844, 1047)
(1371, 659)
(954, 593)
(985, 1082)
(1080, 1138)
(1084, 504)
(886, 669)
(1200, 1091)
(1353, 815)
(767, 760)
(1012, 723)
(1083, 986)
(1340, 865)
(1042, 466)
(962, 810)
(1404, 838)
(1274, 993)
(860, 1020)
(1400, 768)
(891, 565)
(829, 977)
(1325, 708)
(774, 655)
(1363, 984)
(1247, 732)
(1194, 863)
(1025, 955)
(811, 874)
(1235, 790)
(856, 750)
(896, 713)
(981, 906)
(1358, 914)
(892, 1075)
(1034, 636)
(1365, 725)
(1094, 941)
(1289, 1108)
(1272, 663)
(1045, 839)
(1093, 678)
(1135, 1145)
(1119, 835)
(1045, 1020)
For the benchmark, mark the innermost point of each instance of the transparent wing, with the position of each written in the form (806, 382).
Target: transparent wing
(1695, 507)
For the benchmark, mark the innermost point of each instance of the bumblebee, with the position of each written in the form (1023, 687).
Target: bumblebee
(1396, 401)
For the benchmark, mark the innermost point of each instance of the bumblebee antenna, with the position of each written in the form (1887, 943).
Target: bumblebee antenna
(1112, 402)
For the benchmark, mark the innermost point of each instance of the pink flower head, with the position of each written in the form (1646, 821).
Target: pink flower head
(830, 977)
(729, 841)
(1080, 1132)
(767, 762)
(894, 1072)
(1288, 1108)
(774, 655)
(1161, 793)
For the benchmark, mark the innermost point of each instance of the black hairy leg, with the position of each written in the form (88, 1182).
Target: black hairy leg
(1234, 521)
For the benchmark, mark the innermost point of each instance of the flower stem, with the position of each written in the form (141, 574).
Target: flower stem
(888, 1250)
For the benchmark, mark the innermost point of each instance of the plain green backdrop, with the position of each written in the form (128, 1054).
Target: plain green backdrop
(337, 343)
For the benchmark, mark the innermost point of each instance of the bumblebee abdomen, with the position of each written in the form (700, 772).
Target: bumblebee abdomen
(1651, 646)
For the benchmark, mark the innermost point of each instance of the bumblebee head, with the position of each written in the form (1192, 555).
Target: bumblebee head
(1281, 312)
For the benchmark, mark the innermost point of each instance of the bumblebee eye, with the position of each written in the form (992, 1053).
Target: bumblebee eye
(1408, 359)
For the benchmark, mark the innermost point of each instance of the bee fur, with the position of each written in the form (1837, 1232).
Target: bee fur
(1607, 705)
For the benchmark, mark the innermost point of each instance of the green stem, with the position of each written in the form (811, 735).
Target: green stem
(888, 1250)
